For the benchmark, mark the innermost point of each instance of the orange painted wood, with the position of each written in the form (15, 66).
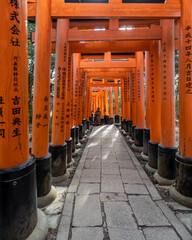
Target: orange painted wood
(122, 100)
(107, 70)
(147, 84)
(106, 107)
(109, 75)
(110, 46)
(114, 23)
(126, 97)
(115, 64)
(167, 84)
(116, 101)
(60, 9)
(110, 102)
(133, 107)
(14, 131)
(76, 76)
(41, 99)
(60, 87)
(155, 93)
(185, 81)
(139, 87)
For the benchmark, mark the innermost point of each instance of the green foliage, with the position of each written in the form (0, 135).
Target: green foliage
(176, 85)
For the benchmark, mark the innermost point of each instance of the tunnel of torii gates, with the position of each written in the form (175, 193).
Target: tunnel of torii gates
(88, 61)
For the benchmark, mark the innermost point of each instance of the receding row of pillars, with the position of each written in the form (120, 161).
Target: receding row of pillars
(23, 175)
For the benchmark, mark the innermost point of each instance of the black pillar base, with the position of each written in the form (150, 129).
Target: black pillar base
(130, 122)
(126, 126)
(146, 139)
(91, 120)
(111, 120)
(166, 162)
(59, 159)
(88, 124)
(69, 151)
(77, 135)
(183, 175)
(138, 135)
(73, 136)
(117, 119)
(18, 201)
(84, 122)
(153, 154)
(106, 119)
(102, 121)
(133, 132)
(80, 131)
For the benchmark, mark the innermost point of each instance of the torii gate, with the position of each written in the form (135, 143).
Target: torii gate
(17, 167)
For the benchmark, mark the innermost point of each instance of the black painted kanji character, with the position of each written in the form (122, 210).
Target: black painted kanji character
(16, 110)
(38, 116)
(1, 112)
(38, 124)
(16, 132)
(1, 100)
(16, 121)
(14, 16)
(2, 133)
(15, 30)
(15, 42)
(16, 100)
(188, 28)
(14, 3)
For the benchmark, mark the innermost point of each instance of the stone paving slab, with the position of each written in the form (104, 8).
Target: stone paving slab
(90, 176)
(146, 211)
(90, 233)
(160, 233)
(111, 183)
(126, 164)
(119, 215)
(110, 170)
(64, 227)
(87, 211)
(88, 188)
(130, 176)
(68, 206)
(108, 197)
(93, 163)
(135, 189)
(124, 234)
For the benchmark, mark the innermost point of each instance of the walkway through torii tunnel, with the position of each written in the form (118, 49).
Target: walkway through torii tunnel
(118, 56)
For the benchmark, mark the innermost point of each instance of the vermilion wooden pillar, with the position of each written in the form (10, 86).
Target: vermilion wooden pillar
(17, 168)
(41, 108)
(102, 106)
(140, 120)
(76, 77)
(110, 105)
(122, 104)
(183, 186)
(116, 91)
(58, 146)
(146, 131)
(167, 149)
(133, 107)
(155, 104)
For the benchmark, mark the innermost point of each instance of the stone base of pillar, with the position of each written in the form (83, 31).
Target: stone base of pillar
(111, 120)
(163, 181)
(150, 169)
(84, 122)
(146, 139)
(78, 145)
(183, 183)
(75, 153)
(131, 141)
(117, 119)
(47, 199)
(59, 159)
(138, 136)
(61, 178)
(136, 148)
(80, 131)
(77, 135)
(18, 201)
(130, 122)
(41, 230)
(132, 132)
(82, 140)
(121, 124)
(69, 151)
(153, 154)
(106, 119)
(73, 136)
(124, 124)
(144, 157)
(178, 197)
(44, 181)
(166, 162)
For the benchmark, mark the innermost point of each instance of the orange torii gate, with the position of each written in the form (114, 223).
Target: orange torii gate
(17, 173)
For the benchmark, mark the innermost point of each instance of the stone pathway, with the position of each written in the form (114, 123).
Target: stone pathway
(112, 198)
